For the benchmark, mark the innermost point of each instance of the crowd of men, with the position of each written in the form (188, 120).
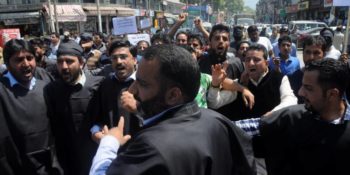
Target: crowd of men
(201, 104)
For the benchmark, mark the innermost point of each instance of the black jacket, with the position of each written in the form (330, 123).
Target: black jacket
(187, 141)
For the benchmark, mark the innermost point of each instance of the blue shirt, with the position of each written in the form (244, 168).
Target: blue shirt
(288, 66)
(276, 49)
(13, 81)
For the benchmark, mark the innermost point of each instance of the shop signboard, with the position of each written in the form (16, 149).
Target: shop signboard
(327, 3)
(341, 3)
(8, 34)
(303, 5)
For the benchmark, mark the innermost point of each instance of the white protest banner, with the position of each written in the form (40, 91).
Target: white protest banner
(341, 3)
(145, 23)
(135, 38)
(124, 25)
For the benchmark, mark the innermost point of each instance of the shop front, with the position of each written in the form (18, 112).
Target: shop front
(69, 17)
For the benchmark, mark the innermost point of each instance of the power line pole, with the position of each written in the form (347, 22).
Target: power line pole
(99, 16)
(55, 12)
(52, 24)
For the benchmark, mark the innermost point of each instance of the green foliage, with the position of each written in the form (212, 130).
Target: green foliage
(248, 10)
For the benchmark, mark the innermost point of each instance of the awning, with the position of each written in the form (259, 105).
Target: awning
(67, 13)
(113, 11)
(20, 18)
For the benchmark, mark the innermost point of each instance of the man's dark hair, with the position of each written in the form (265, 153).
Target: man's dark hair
(56, 34)
(100, 34)
(284, 29)
(315, 40)
(339, 28)
(188, 48)
(325, 29)
(16, 45)
(177, 65)
(241, 42)
(252, 28)
(283, 39)
(118, 44)
(332, 74)
(258, 47)
(197, 37)
(143, 41)
(181, 32)
(37, 42)
(161, 36)
(220, 28)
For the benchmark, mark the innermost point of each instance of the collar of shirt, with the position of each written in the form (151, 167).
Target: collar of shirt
(158, 116)
(131, 77)
(285, 60)
(347, 111)
(81, 80)
(13, 81)
(345, 117)
(257, 82)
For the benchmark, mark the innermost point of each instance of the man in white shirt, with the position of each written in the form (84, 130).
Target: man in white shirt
(331, 51)
(271, 89)
(253, 33)
(338, 40)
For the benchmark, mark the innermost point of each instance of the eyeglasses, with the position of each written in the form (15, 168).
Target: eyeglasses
(121, 56)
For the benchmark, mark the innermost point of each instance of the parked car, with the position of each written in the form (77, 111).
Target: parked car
(296, 27)
(301, 35)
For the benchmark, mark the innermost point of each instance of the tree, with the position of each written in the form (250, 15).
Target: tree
(234, 6)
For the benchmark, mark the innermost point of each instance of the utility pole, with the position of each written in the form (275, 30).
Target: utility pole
(99, 16)
(55, 12)
(52, 24)
(345, 45)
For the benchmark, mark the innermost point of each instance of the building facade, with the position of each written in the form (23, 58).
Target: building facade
(37, 17)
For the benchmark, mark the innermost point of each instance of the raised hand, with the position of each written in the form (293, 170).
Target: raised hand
(117, 132)
(218, 73)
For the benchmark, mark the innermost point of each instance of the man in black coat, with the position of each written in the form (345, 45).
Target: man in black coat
(28, 145)
(68, 100)
(108, 106)
(177, 136)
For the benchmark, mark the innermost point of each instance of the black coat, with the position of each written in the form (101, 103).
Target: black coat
(187, 141)
(68, 109)
(297, 142)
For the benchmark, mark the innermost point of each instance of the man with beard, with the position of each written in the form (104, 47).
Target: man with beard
(107, 105)
(42, 60)
(255, 38)
(314, 48)
(312, 138)
(270, 88)
(68, 101)
(177, 136)
(86, 43)
(217, 54)
(23, 107)
(237, 36)
(331, 51)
